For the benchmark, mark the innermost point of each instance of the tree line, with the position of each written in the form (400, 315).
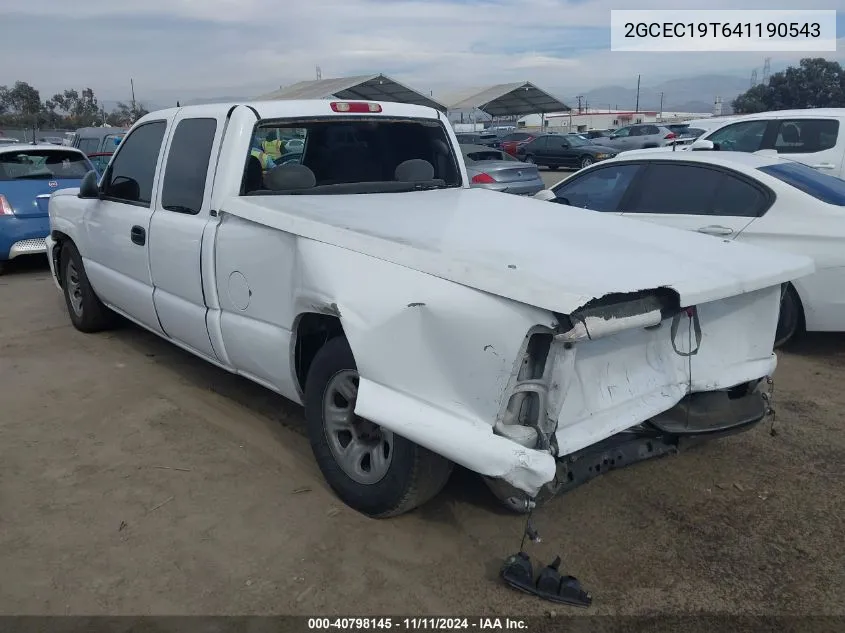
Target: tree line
(814, 83)
(21, 107)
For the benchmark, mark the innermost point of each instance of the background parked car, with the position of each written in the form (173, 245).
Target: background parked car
(510, 142)
(489, 139)
(100, 160)
(640, 136)
(814, 137)
(29, 174)
(559, 150)
(93, 140)
(598, 134)
(762, 200)
(685, 133)
(491, 168)
(294, 145)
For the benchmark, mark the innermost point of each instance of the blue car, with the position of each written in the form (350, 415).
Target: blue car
(29, 174)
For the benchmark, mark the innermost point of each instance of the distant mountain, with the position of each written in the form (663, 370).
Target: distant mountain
(693, 94)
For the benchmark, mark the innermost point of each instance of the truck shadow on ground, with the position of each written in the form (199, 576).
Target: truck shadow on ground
(279, 413)
(817, 345)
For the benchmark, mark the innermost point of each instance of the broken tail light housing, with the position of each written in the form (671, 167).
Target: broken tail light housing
(670, 135)
(357, 107)
(5, 207)
(483, 179)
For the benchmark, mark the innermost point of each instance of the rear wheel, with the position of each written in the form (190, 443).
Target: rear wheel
(87, 312)
(2, 267)
(370, 468)
(529, 159)
(790, 318)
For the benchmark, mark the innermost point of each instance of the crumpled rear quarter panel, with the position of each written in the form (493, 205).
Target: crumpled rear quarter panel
(434, 357)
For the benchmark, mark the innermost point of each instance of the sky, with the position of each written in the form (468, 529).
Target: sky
(184, 49)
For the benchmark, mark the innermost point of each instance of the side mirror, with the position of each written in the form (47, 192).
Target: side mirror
(702, 144)
(88, 188)
(545, 194)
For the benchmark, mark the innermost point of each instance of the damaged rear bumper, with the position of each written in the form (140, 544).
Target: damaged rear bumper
(567, 394)
(469, 444)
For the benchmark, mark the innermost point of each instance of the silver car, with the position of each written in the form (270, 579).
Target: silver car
(490, 168)
(640, 136)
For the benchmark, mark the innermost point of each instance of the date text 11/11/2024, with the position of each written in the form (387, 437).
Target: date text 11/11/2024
(416, 624)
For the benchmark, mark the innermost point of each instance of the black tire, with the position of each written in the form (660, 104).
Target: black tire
(791, 317)
(530, 160)
(415, 474)
(2, 267)
(92, 316)
(586, 161)
(553, 167)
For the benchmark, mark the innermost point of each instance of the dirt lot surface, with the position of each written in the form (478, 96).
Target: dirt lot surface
(137, 479)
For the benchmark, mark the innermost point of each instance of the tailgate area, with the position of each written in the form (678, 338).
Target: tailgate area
(619, 381)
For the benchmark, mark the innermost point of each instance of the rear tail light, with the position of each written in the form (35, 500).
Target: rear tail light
(355, 106)
(5, 207)
(483, 179)
(670, 135)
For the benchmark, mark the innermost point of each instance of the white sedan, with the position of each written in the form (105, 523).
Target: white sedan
(763, 200)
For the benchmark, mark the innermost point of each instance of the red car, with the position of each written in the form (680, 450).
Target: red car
(513, 140)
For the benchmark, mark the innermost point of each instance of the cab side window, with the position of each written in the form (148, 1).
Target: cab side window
(183, 187)
(132, 171)
(806, 136)
(746, 136)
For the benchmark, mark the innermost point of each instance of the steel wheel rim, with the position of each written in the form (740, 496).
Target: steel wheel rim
(362, 449)
(74, 289)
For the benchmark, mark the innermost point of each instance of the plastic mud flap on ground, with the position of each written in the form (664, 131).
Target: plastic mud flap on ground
(518, 572)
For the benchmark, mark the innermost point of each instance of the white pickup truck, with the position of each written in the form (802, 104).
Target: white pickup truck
(421, 323)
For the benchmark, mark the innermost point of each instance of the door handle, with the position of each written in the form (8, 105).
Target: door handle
(138, 235)
(823, 166)
(715, 229)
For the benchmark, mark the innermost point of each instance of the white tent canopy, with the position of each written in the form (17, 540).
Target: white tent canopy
(363, 87)
(516, 99)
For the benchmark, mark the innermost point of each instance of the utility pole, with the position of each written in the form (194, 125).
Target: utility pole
(134, 109)
(661, 107)
(637, 108)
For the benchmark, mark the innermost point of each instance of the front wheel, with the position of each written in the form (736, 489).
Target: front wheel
(789, 319)
(371, 469)
(586, 161)
(529, 159)
(86, 311)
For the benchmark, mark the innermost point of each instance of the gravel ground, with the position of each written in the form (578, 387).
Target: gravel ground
(136, 479)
